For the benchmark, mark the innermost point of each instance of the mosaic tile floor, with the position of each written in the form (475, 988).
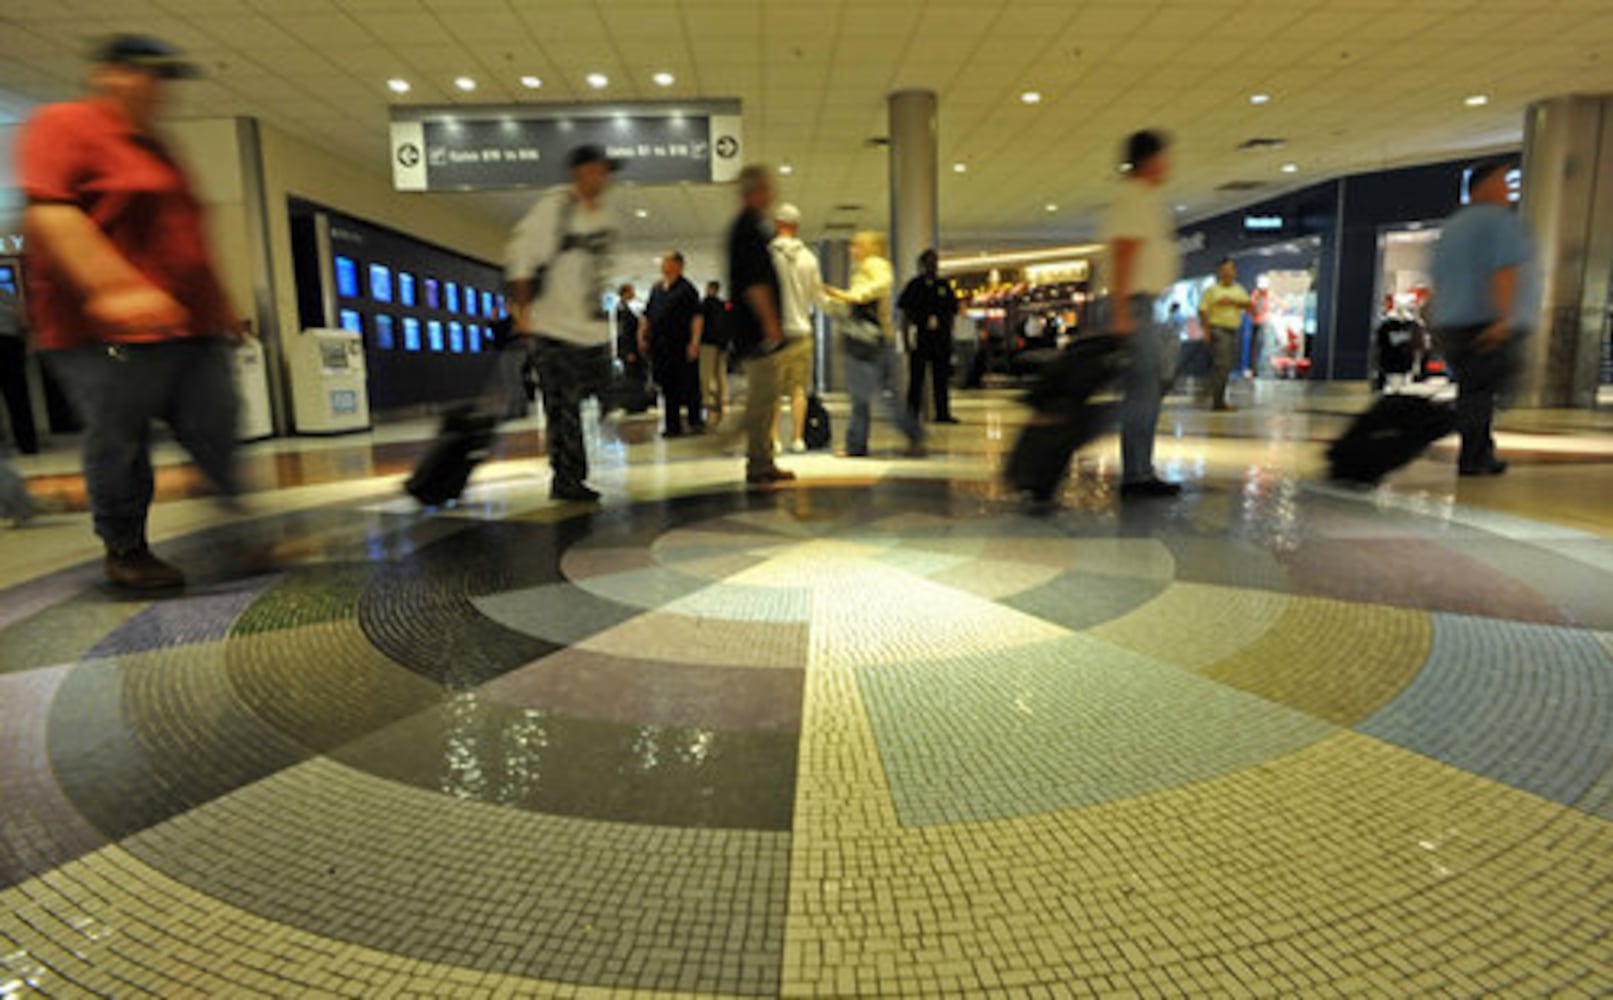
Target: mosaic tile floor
(879, 735)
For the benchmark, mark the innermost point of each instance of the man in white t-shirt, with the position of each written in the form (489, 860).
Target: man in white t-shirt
(1141, 264)
(1221, 311)
(800, 292)
(556, 264)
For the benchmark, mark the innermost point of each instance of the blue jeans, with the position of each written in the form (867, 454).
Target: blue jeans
(865, 380)
(1139, 411)
(117, 393)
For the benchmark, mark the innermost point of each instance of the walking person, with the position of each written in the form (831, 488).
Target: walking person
(870, 345)
(753, 285)
(669, 334)
(1221, 311)
(801, 289)
(929, 306)
(635, 367)
(1142, 263)
(556, 261)
(714, 347)
(14, 372)
(1485, 296)
(130, 317)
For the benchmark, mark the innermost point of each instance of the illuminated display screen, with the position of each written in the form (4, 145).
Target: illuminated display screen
(434, 335)
(405, 288)
(346, 278)
(488, 305)
(380, 283)
(474, 339)
(456, 337)
(411, 334)
(385, 340)
(451, 297)
(433, 294)
(351, 320)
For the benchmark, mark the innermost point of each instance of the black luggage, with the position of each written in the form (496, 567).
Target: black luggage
(1393, 432)
(1066, 418)
(818, 432)
(464, 441)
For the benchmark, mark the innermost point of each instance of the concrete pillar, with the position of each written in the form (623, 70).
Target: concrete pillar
(828, 369)
(915, 180)
(1568, 209)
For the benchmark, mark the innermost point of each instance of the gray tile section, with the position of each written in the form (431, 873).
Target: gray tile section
(1081, 600)
(1066, 724)
(427, 876)
(1527, 705)
(558, 612)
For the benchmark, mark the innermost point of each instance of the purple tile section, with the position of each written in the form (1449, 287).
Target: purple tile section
(593, 685)
(27, 600)
(183, 621)
(39, 828)
(1410, 573)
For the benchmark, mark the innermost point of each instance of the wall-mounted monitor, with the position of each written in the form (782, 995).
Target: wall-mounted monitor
(503, 307)
(406, 289)
(350, 320)
(8, 279)
(411, 334)
(347, 278)
(488, 306)
(385, 338)
(470, 300)
(380, 283)
(434, 335)
(473, 338)
(456, 337)
(450, 296)
(433, 294)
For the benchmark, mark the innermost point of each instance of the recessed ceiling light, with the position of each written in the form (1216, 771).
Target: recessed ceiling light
(598, 81)
(1031, 97)
(1259, 98)
(960, 168)
(398, 86)
(786, 169)
(531, 82)
(642, 213)
(1051, 208)
(465, 83)
(1290, 168)
(1181, 208)
(663, 79)
(1478, 100)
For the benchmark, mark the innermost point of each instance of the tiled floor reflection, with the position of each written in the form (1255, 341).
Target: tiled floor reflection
(879, 734)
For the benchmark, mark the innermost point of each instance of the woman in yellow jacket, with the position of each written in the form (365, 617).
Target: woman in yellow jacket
(869, 341)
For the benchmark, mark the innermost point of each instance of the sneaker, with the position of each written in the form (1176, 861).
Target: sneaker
(573, 493)
(1152, 487)
(798, 446)
(1495, 467)
(767, 477)
(138, 569)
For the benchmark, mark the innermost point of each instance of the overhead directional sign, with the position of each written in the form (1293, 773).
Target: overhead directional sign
(481, 148)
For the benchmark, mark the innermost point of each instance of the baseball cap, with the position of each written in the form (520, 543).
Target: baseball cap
(147, 53)
(788, 213)
(591, 154)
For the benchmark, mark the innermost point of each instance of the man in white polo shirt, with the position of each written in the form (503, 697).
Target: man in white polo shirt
(1141, 264)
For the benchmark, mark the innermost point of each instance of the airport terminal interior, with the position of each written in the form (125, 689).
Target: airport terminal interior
(888, 729)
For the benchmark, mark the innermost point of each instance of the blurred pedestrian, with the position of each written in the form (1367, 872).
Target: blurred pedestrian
(869, 344)
(714, 347)
(753, 286)
(800, 289)
(128, 310)
(555, 263)
(635, 366)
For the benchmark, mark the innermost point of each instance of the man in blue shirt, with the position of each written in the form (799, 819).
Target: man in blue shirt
(1484, 301)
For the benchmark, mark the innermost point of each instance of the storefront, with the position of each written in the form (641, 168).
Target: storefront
(1325, 264)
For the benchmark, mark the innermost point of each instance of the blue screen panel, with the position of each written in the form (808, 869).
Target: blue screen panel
(380, 283)
(451, 297)
(487, 305)
(351, 320)
(411, 334)
(434, 335)
(385, 340)
(405, 288)
(473, 339)
(433, 299)
(346, 278)
(456, 337)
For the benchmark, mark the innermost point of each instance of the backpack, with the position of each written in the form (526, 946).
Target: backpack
(817, 433)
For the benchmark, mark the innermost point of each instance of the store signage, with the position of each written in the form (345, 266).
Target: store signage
(1193, 243)
(10, 243)
(1264, 223)
(480, 148)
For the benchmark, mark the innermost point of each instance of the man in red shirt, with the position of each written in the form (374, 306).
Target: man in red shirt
(125, 302)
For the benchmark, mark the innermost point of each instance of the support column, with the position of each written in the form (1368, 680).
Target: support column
(1568, 209)
(829, 367)
(915, 180)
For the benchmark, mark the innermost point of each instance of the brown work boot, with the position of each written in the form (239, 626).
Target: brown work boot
(138, 569)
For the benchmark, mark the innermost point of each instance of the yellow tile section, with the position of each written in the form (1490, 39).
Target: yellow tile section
(1194, 625)
(112, 925)
(1333, 659)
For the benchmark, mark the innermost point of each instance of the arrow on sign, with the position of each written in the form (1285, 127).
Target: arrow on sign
(409, 154)
(727, 147)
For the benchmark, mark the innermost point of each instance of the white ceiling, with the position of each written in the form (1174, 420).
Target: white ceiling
(1355, 84)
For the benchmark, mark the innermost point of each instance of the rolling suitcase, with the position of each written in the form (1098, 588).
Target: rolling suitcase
(442, 474)
(1393, 432)
(1066, 416)
(817, 433)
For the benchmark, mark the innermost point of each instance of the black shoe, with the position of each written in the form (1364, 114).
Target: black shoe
(669, 434)
(573, 493)
(948, 419)
(138, 569)
(1495, 467)
(1154, 487)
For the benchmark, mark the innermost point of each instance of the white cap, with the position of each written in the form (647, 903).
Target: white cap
(788, 213)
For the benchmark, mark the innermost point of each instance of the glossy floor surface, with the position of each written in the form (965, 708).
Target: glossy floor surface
(880, 733)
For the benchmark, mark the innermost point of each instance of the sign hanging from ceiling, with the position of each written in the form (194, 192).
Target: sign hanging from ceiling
(484, 148)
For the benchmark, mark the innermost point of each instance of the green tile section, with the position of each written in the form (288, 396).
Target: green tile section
(1069, 723)
(63, 633)
(307, 597)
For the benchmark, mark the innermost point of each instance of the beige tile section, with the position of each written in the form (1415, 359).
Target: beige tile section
(1194, 625)
(706, 641)
(108, 924)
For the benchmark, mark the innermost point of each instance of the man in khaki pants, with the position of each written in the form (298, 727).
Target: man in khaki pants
(1221, 312)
